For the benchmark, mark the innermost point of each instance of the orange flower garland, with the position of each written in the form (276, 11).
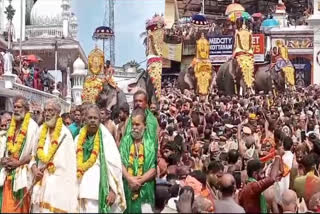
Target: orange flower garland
(83, 166)
(45, 158)
(140, 164)
(15, 147)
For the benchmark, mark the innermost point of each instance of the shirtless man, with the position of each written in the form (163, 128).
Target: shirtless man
(105, 117)
(123, 116)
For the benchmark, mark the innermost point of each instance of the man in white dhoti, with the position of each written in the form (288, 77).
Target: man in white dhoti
(15, 154)
(99, 168)
(54, 165)
(287, 161)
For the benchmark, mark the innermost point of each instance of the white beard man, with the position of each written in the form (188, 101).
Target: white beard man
(54, 165)
(15, 156)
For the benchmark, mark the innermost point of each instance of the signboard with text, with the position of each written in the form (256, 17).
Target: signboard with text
(221, 48)
(258, 47)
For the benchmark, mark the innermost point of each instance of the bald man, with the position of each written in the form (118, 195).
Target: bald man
(289, 201)
(314, 203)
(227, 204)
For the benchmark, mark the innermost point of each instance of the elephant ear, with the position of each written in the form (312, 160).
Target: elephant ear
(102, 100)
(122, 99)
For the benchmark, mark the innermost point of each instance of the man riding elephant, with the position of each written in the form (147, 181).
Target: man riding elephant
(243, 52)
(282, 63)
(279, 75)
(199, 75)
(103, 92)
(236, 75)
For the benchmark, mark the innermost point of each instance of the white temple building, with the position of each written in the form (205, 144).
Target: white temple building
(47, 26)
(49, 30)
(40, 18)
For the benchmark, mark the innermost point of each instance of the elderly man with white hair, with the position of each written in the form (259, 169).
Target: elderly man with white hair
(54, 166)
(15, 155)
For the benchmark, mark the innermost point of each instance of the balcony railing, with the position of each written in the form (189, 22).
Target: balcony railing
(39, 97)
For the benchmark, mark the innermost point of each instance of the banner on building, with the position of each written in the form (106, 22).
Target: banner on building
(172, 51)
(258, 47)
(221, 48)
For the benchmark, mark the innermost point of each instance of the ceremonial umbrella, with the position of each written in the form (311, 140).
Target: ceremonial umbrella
(246, 16)
(257, 15)
(155, 22)
(235, 15)
(269, 23)
(31, 58)
(234, 7)
(103, 33)
(199, 20)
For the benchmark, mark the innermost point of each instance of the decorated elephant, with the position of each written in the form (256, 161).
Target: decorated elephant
(111, 98)
(143, 82)
(187, 80)
(102, 91)
(267, 79)
(229, 78)
(199, 75)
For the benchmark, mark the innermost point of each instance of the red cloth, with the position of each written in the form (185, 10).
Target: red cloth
(269, 156)
(249, 197)
(312, 186)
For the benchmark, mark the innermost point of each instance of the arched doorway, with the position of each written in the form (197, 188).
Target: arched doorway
(302, 71)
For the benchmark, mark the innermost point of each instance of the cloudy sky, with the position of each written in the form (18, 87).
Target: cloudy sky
(130, 17)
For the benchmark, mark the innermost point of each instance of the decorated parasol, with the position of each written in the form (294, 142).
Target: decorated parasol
(199, 20)
(246, 16)
(270, 23)
(234, 16)
(31, 58)
(257, 15)
(234, 8)
(103, 33)
(157, 22)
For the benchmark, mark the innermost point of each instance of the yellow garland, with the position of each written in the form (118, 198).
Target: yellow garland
(45, 158)
(140, 164)
(15, 147)
(82, 166)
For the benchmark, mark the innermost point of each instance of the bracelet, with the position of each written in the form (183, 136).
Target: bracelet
(278, 156)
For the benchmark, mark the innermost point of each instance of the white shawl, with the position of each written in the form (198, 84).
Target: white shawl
(57, 192)
(114, 166)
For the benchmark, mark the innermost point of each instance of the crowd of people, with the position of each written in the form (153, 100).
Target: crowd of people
(257, 153)
(237, 154)
(29, 75)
